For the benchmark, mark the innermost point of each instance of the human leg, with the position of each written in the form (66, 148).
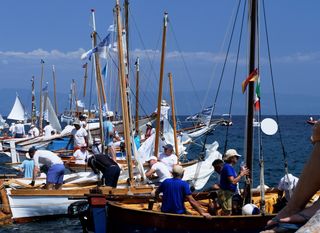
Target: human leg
(225, 200)
(55, 176)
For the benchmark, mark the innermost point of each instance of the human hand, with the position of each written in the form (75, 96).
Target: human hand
(244, 171)
(32, 183)
(316, 133)
(207, 216)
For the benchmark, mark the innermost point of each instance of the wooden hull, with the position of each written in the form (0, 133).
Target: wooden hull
(133, 220)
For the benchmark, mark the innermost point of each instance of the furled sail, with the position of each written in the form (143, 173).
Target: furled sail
(17, 111)
(50, 115)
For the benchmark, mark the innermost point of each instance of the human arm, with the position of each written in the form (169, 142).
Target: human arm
(150, 173)
(195, 205)
(235, 180)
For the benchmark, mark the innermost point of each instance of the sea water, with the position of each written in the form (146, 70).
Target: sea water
(295, 144)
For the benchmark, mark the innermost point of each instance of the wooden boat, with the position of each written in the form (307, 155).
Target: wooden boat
(311, 121)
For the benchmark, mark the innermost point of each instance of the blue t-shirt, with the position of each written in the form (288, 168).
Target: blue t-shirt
(27, 166)
(174, 192)
(107, 128)
(226, 172)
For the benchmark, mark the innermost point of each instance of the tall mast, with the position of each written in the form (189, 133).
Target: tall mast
(173, 116)
(137, 93)
(54, 89)
(33, 103)
(124, 99)
(163, 50)
(75, 95)
(250, 101)
(100, 88)
(126, 13)
(41, 107)
(85, 66)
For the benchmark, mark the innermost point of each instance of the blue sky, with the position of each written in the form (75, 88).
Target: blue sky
(59, 32)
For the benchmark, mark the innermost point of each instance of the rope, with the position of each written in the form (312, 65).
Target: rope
(274, 92)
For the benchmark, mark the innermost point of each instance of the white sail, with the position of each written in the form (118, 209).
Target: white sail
(50, 115)
(17, 111)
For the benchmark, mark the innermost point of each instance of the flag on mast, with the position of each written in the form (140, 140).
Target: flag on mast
(257, 96)
(101, 48)
(251, 78)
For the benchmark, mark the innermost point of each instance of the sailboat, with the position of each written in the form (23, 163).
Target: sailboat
(145, 215)
(17, 112)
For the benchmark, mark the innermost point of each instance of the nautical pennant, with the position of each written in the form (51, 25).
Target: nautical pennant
(101, 49)
(251, 78)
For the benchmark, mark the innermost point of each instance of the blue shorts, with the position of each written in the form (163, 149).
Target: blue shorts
(55, 174)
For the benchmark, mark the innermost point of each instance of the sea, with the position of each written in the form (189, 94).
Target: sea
(291, 143)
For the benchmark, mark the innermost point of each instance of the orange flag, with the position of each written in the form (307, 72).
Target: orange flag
(251, 78)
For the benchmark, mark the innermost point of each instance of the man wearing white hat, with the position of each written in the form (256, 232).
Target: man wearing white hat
(159, 168)
(229, 180)
(33, 132)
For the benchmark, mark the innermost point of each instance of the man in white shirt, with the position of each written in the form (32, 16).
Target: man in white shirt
(12, 129)
(33, 132)
(19, 130)
(47, 130)
(79, 135)
(54, 164)
(168, 158)
(159, 168)
(81, 155)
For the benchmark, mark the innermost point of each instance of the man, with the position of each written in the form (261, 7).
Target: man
(33, 132)
(12, 129)
(81, 155)
(79, 136)
(229, 180)
(286, 186)
(108, 129)
(54, 164)
(168, 158)
(47, 130)
(217, 165)
(108, 167)
(83, 120)
(175, 191)
(158, 168)
(149, 130)
(96, 147)
(19, 130)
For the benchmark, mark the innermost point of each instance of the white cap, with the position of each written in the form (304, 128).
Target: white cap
(177, 169)
(164, 102)
(250, 209)
(149, 123)
(152, 158)
(230, 153)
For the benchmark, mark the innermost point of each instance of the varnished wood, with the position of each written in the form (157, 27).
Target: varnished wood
(173, 116)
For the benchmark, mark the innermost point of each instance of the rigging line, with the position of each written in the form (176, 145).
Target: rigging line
(225, 60)
(273, 89)
(235, 73)
(184, 62)
(216, 65)
(131, 90)
(144, 47)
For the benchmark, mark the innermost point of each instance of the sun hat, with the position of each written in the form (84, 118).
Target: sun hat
(149, 124)
(177, 169)
(152, 158)
(230, 153)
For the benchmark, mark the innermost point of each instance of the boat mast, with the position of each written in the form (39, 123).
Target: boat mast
(54, 89)
(250, 100)
(126, 14)
(173, 116)
(100, 88)
(33, 104)
(137, 93)
(163, 50)
(124, 100)
(41, 107)
(75, 95)
(85, 66)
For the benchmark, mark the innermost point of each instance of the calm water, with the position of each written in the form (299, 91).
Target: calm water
(296, 143)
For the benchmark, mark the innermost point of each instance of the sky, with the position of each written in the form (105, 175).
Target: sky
(198, 33)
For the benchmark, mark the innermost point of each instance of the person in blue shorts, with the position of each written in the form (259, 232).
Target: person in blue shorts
(54, 164)
(175, 191)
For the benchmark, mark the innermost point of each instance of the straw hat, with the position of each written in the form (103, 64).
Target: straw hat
(230, 153)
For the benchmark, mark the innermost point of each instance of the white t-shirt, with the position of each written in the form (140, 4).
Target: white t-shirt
(81, 156)
(169, 161)
(83, 124)
(161, 170)
(46, 157)
(34, 132)
(47, 130)
(288, 185)
(19, 128)
(79, 136)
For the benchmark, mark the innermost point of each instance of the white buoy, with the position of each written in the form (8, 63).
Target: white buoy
(250, 209)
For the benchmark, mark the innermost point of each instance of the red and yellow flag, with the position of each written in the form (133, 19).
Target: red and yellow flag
(251, 78)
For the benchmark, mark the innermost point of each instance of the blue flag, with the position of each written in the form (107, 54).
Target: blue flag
(101, 49)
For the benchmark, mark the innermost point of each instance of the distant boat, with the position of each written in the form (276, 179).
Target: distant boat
(17, 112)
(311, 121)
